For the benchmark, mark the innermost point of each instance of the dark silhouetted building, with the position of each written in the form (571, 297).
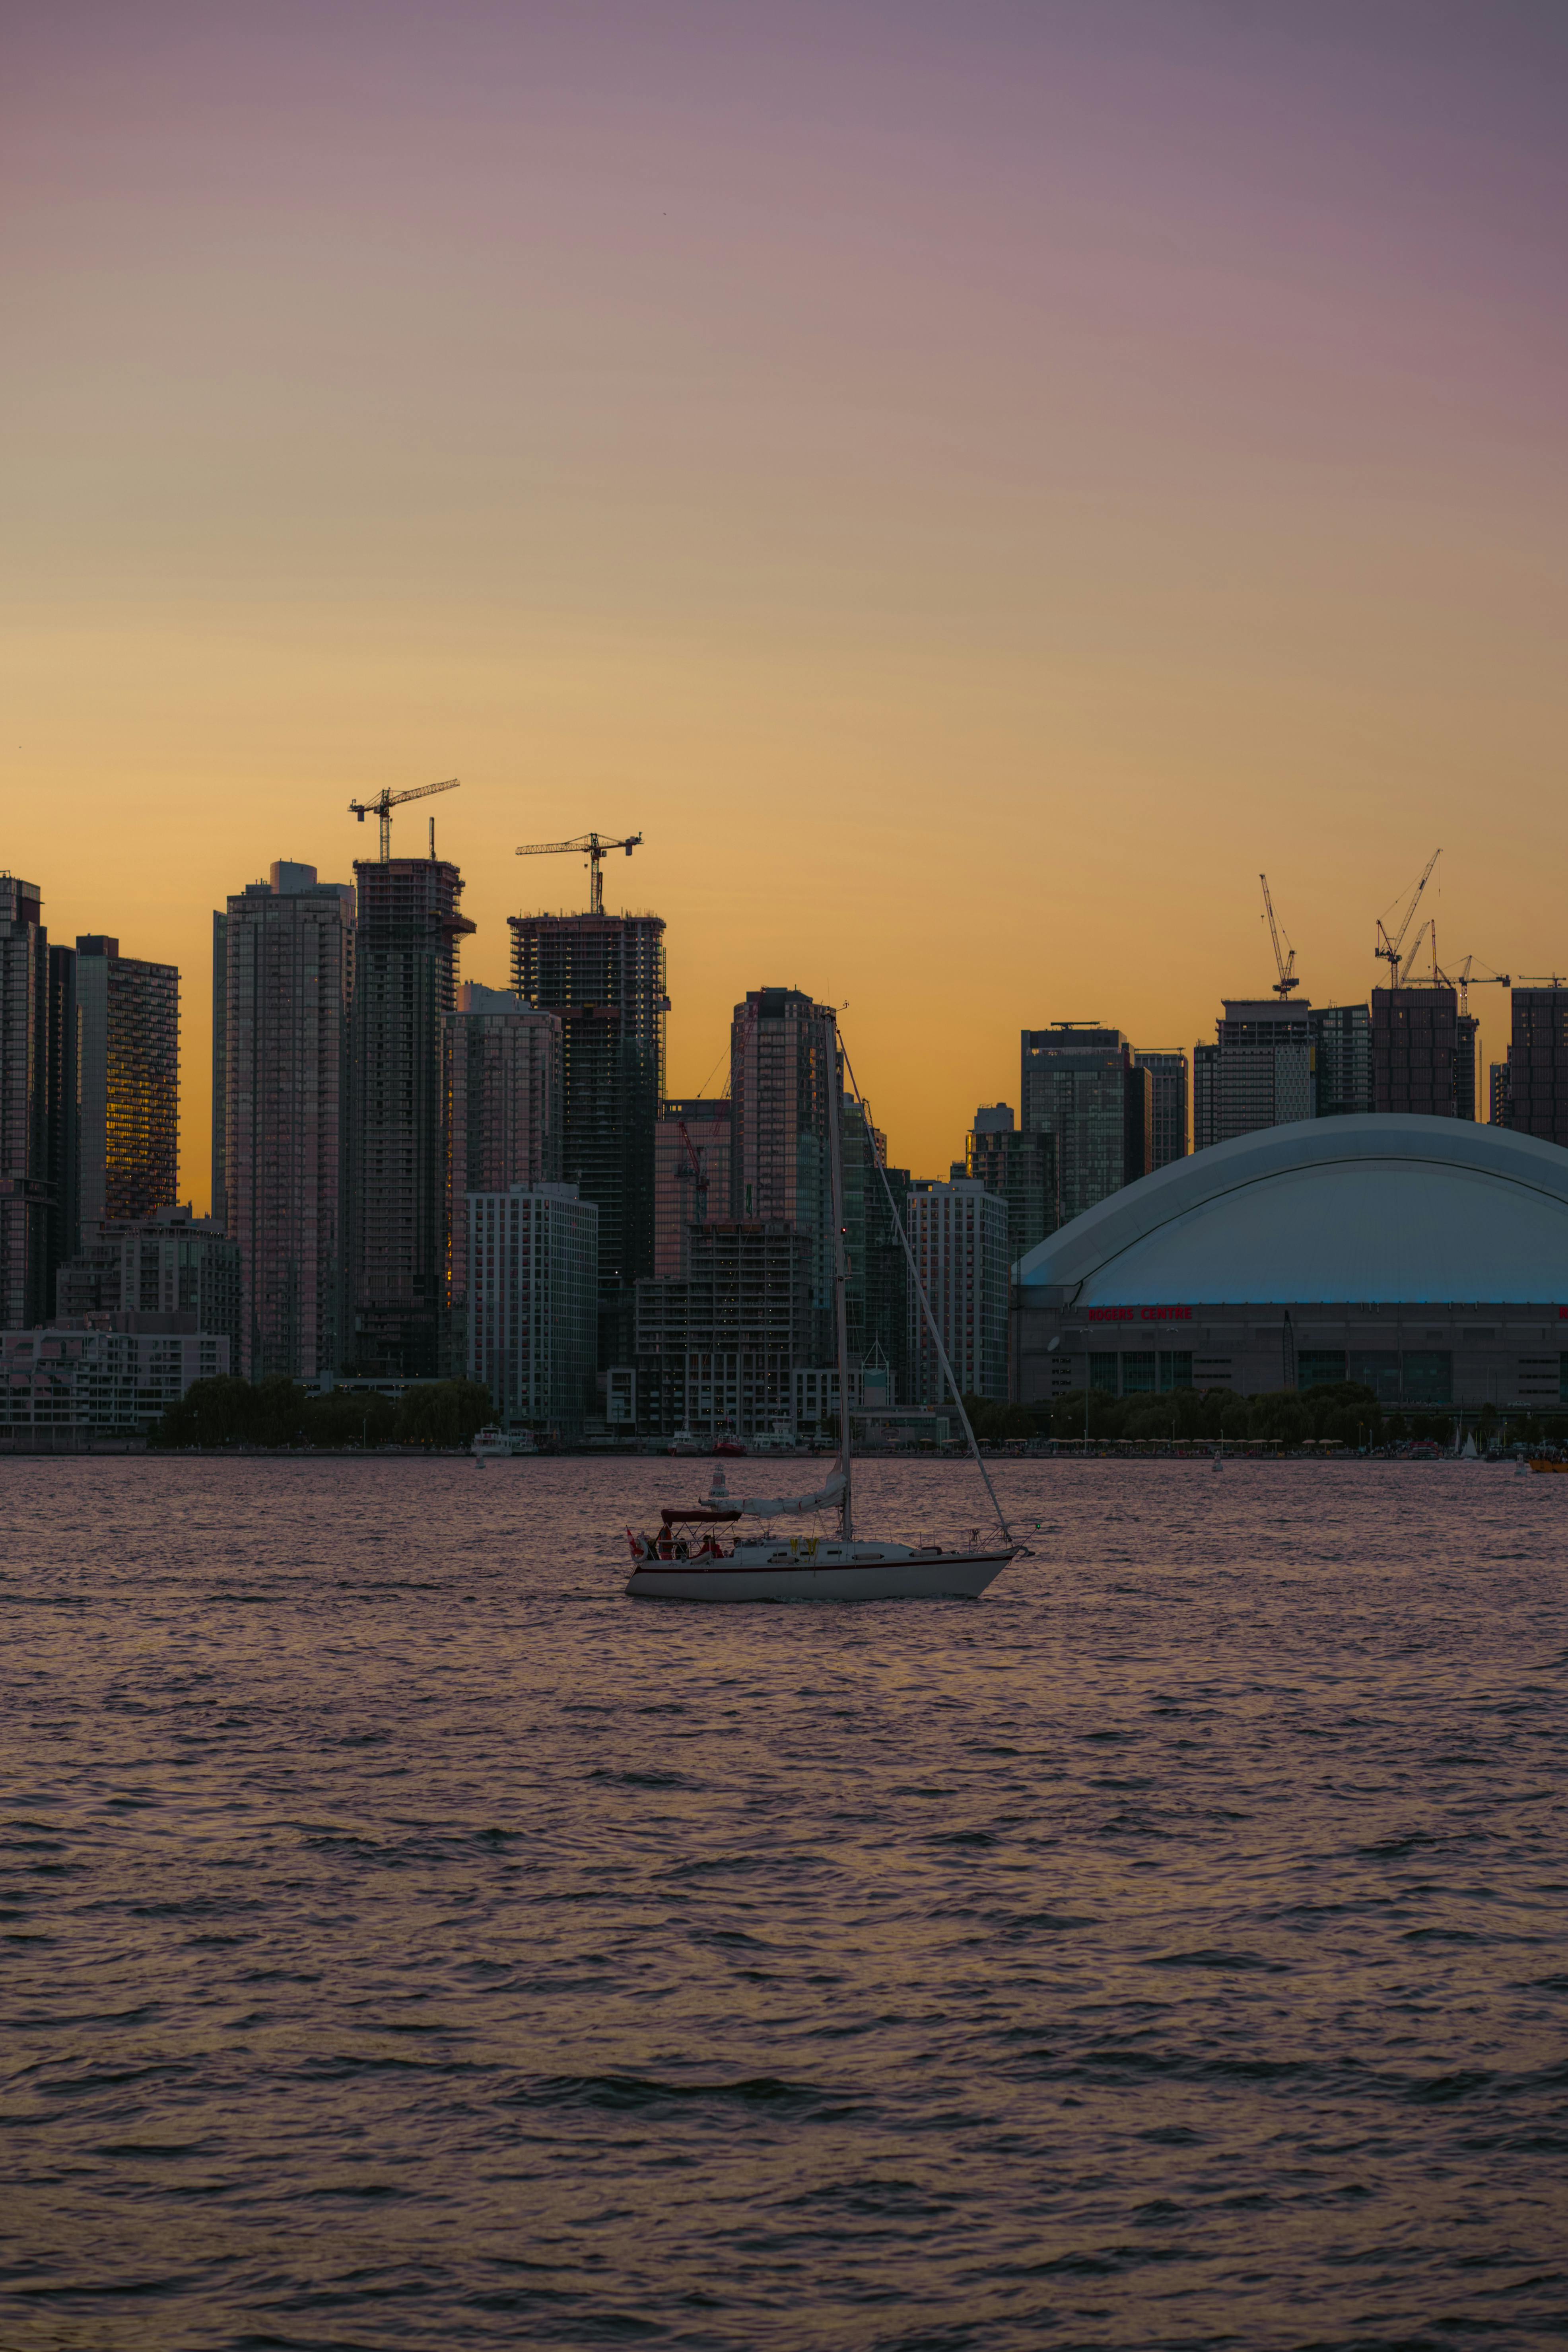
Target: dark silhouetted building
(1537, 1067)
(784, 1086)
(1502, 1094)
(1416, 1050)
(1080, 1087)
(1342, 1046)
(27, 1184)
(129, 1082)
(717, 1348)
(877, 1296)
(395, 1164)
(283, 998)
(1018, 1169)
(1169, 1104)
(603, 976)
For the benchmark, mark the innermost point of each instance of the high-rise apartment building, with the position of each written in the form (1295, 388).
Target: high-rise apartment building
(877, 1296)
(785, 1088)
(690, 1174)
(395, 1159)
(604, 975)
(1502, 1094)
(1467, 1054)
(717, 1348)
(532, 1287)
(282, 994)
(1342, 1048)
(1169, 1102)
(1257, 1072)
(1018, 1169)
(1079, 1084)
(28, 1185)
(129, 1082)
(503, 1117)
(1537, 1066)
(959, 1235)
(1415, 1051)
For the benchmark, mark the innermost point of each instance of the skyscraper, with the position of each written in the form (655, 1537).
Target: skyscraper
(27, 1189)
(691, 1173)
(1168, 1104)
(959, 1235)
(604, 975)
(281, 994)
(1018, 1169)
(877, 1296)
(1502, 1093)
(395, 1160)
(1079, 1085)
(1342, 1046)
(1257, 1072)
(128, 1077)
(1537, 1066)
(785, 1086)
(1416, 1050)
(532, 1291)
(503, 1119)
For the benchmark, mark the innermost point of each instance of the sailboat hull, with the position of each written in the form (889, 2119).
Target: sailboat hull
(899, 1576)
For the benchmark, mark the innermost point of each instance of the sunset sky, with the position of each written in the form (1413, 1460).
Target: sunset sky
(972, 485)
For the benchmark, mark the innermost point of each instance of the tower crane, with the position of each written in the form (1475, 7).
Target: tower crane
(1464, 976)
(595, 847)
(386, 801)
(1284, 965)
(1390, 949)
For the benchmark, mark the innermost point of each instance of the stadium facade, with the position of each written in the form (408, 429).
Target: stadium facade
(1427, 1259)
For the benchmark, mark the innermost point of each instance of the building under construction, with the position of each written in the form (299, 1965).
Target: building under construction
(603, 976)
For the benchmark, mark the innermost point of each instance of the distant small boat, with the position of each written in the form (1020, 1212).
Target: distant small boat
(684, 1443)
(492, 1444)
(1544, 1462)
(728, 1445)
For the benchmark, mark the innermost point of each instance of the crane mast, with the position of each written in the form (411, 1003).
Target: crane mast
(1391, 950)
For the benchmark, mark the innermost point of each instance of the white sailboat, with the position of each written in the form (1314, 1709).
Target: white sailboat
(688, 1561)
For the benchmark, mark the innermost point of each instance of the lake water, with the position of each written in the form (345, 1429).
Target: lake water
(408, 1941)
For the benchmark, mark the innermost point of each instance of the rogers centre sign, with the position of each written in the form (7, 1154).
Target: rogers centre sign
(1139, 1314)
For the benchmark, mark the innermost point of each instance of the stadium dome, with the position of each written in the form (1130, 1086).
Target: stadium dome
(1396, 1209)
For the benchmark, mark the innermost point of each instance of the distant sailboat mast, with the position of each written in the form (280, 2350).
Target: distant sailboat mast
(840, 1284)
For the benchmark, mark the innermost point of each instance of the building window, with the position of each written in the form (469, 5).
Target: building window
(1176, 1371)
(1138, 1374)
(1102, 1373)
(1379, 1373)
(1428, 1377)
(1318, 1367)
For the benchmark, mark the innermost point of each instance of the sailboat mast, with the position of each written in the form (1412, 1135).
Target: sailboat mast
(840, 1266)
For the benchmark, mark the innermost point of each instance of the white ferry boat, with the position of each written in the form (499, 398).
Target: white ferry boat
(496, 1444)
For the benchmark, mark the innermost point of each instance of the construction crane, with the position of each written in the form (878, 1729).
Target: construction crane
(384, 802)
(1390, 949)
(596, 848)
(1463, 977)
(1284, 965)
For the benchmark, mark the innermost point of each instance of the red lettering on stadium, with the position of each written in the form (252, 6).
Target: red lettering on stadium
(1149, 1314)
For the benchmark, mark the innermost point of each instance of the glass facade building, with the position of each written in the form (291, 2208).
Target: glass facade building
(603, 976)
(1020, 1170)
(1257, 1074)
(1537, 1066)
(282, 993)
(1342, 1046)
(129, 1082)
(1077, 1084)
(959, 1235)
(532, 1291)
(395, 1160)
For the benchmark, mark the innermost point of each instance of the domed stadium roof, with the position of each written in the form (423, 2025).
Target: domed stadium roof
(1387, 1208)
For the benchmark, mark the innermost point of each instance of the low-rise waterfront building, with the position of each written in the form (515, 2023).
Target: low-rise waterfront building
(116, 1379)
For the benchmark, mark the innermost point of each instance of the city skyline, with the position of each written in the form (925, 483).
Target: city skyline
(884, 463)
